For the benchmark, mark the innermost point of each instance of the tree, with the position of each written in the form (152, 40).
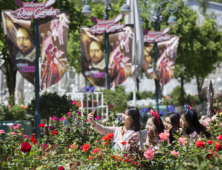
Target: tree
(199, 47)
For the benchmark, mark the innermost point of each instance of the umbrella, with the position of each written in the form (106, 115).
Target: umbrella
(138, 46)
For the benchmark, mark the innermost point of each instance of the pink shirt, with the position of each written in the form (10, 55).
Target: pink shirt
(135, 136)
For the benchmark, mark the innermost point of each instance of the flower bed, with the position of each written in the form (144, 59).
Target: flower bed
(72, 144)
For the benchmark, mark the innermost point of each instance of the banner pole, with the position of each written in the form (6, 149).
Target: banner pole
(37, 107)
(106, 17)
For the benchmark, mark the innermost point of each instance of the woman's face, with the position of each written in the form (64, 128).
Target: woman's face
(167, 124)
(183, 122)
(150, 127)
(127, 119)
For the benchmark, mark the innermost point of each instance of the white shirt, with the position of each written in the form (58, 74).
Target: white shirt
(30, 57)
(101, 65)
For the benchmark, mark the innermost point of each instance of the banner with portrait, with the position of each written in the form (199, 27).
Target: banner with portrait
(167, 57)
(93, 63)
(120, 60)
(53, 38)
(20, 44)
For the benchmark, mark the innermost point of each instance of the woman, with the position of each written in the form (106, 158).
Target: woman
(190, 124)
(129, 133)
(171, 124)
(150, 136)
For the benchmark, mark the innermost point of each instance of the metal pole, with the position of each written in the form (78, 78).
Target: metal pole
(155, 70)
(106, 17)
(37, 108)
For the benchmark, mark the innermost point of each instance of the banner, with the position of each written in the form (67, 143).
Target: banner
(20, 44)
(53, 38)
(92, 57)
(120, 60)
(166, 62)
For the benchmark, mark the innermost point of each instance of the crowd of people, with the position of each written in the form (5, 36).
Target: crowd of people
(187, 123)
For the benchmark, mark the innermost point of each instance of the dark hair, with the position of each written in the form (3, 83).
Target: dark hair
(135, 114)
(194, 123)
(175, 121)
(159, 127)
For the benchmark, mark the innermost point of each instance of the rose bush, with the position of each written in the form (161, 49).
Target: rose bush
(73, 144)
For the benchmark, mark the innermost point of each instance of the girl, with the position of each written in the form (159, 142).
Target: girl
(171, 124)
(190, 124)
(150, 136)
(129, 133)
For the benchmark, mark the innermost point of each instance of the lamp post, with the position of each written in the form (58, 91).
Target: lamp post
(86, 10)
(155, 17)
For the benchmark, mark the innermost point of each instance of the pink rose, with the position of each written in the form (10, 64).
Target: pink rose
(175, 153)
(8, 106)
(149, 154)
(11, 126)
(46, 154)
(62, 118)
(86, 120)
(69, 113)
(53, 118)
(202, 117)
(164, 136)
(2, 132)
(20, 134)
(73, 102)
(97, 118)
(18, 125)
(15, 127)
(13, 133)
(182, 141)
(104, 121)
(25, 136)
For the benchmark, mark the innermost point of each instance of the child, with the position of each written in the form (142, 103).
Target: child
(150, 136)
(190, 124)
(171, 124)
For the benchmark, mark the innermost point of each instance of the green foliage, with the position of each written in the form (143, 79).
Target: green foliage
(17, 112)
(176, 92)
(51, 104)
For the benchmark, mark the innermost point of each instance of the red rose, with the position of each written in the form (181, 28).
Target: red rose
(210, 155)
(26, 147)
(218, 146)
(123, 143)
(200, 144)
(135, 163)
(42, 125)
(110, 136)
(95, 150)
(111, 106)
(91, 157)
(54, 132)
(210, 142)
(106, 143)
(61, 168)
(85, 147)
(105, 138)
(219, 137)
(8, 159)
(33, 139)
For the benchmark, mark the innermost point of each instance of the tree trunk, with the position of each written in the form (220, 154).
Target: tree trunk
(138, 84)
(182, 90)
(10, 71)
(200, 81)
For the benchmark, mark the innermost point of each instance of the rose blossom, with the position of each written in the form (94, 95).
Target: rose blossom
(53, 118)
(218, 146)
(104, 121)
(219, 137)
(73, 102)
(11, 126)
(175, 153)
(164, 136)
(20, 134)
(26, 147)
(200, 144)
(95, 150)
(111, 106)
(46, 154)
(2, 132)
(62, 118)
(210, 142)
(13, 133)
(182, 141)
(149, 154)
(202, 117)
(61, 168)
(73, 146)
(85, 147)
(54, 132)
(69, 114)
(15, 127)
(25, 136)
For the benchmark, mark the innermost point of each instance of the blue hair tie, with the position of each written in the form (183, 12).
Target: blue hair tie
(188, 110)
